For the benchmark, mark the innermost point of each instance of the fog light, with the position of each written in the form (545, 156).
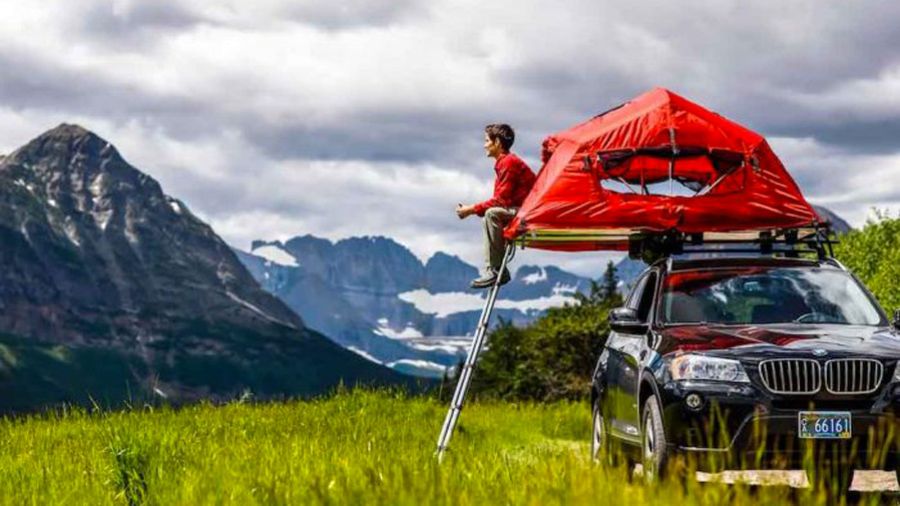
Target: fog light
(693, 401)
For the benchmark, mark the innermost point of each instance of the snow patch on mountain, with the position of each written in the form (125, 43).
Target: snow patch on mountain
(130, 230)
(276, 255)
(448, 303)
(363, 354)
(450, 349)
(539, 304)
(407, 333)
(252, 307)
(442, 304)
(96, 186)
(102, 218)
(71, 231)
(535, 277)
(561, 288)
(420, 365)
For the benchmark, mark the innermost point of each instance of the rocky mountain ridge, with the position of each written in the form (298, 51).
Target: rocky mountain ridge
(372, 295)
(99, 261)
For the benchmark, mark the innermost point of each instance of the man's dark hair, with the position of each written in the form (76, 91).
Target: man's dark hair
(503, 132)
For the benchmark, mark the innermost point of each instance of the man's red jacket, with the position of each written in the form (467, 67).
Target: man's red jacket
(514, 181)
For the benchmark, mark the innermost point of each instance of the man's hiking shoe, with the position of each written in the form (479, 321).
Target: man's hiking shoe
(487, 280)
(504, 278)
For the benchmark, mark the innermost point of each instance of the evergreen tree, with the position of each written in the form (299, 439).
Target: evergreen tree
(610, 283)
(553, 357)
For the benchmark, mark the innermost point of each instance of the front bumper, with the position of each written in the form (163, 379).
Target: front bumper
(741, 425)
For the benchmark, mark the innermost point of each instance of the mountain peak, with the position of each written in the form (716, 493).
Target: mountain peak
(67, 144)
(838, 224)
(372, 240)
(441, 260)
(68, 130)
(74, 138)
(440, 256)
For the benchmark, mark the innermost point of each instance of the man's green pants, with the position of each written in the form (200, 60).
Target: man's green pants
(495, 220)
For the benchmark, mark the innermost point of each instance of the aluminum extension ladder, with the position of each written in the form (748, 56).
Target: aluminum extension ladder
(465, 376)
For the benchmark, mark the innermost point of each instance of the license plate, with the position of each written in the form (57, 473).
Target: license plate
(824, 425)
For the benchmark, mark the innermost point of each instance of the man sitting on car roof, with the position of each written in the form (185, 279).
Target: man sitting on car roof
(511, 186)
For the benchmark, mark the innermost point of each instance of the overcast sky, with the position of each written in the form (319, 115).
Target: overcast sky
(273, 118)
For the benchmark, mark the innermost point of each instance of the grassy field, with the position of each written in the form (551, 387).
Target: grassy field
(351, 448)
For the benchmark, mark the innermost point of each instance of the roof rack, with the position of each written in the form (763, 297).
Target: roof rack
(815, 240)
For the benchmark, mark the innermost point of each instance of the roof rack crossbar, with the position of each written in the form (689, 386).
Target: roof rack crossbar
(794, 242)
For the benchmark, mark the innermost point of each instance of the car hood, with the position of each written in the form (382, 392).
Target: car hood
(825, 341)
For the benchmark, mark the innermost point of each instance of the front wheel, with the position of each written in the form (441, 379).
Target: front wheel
(656, 457)
(599, 437)
(604, 450)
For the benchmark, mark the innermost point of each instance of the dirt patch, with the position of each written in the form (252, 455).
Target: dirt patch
(863, 481)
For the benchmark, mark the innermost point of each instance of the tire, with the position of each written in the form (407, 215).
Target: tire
(599, 441)
(604, 449)
(656, 457)
(600, 448)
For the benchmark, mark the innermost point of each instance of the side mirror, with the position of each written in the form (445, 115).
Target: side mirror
(625, 320)
(623, 314)
(897, 319)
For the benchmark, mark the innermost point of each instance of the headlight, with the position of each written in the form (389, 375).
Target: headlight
(700, 367)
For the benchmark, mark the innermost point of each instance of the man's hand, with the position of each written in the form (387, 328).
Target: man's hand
(464, 211)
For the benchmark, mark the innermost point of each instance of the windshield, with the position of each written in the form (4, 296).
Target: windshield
(760, 295)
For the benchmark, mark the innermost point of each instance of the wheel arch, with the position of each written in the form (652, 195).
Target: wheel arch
(599, 378)
(646, 388)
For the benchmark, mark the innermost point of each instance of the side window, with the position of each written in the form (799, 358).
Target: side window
(646, 299)
(635, 297)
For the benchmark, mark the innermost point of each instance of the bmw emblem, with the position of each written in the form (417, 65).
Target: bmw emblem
(820, 353)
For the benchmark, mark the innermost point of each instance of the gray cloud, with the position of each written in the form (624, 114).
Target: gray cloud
(864, 137)
(382, 136)
(354, 13)
(240, 109)
(137, 22)
(104, 21)
(748, 64)
(31, 82)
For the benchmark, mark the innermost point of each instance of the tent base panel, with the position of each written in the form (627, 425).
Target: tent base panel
(643, 243)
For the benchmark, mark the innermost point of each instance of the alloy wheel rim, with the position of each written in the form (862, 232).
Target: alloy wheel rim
(649, 448)
(598, 435)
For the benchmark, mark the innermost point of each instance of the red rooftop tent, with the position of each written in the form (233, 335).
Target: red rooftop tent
(727, 177)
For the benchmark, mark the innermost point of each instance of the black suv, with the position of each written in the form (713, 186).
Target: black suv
(748, 362)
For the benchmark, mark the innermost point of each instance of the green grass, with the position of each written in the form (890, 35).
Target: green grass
(351, 448)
